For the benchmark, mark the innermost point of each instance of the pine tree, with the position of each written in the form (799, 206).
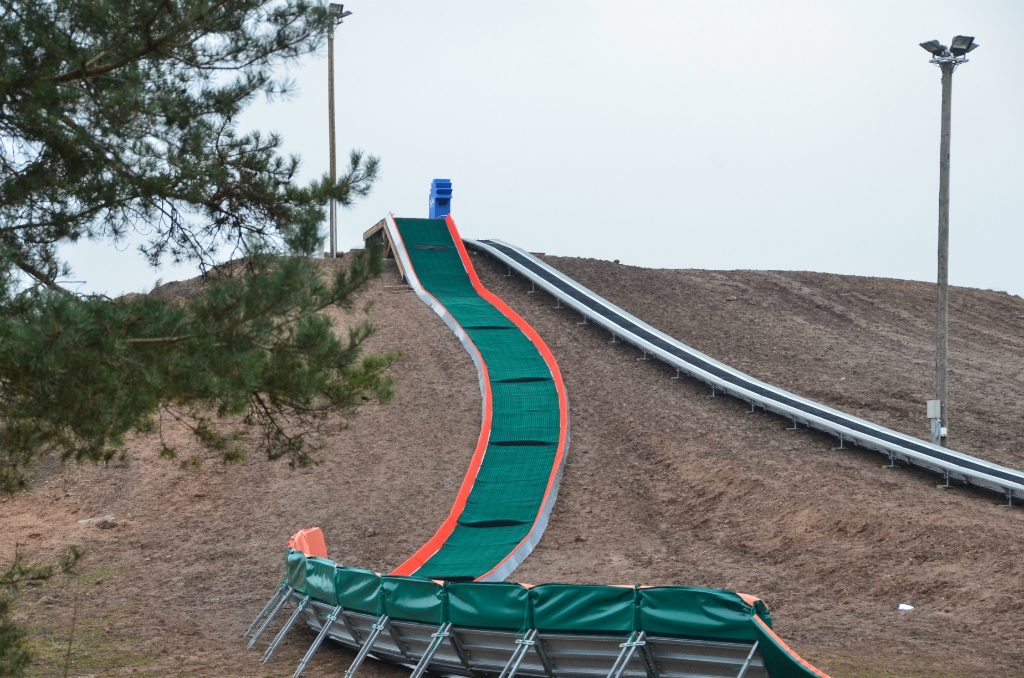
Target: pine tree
(121, 117)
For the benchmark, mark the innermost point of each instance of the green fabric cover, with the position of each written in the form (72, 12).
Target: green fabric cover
(525, 421)
(718, 614)
(780, 662)
(295, 569)
(358, 590)
(489, 605)
(320, 580)
(415, 599)
(568, 607)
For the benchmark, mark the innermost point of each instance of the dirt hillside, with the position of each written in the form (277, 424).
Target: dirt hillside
(662, 483)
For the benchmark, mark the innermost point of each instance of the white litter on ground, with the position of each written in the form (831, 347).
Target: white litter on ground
(904, 606)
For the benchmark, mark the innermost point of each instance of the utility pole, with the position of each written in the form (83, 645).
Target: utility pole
(947, 59)
(336, 14)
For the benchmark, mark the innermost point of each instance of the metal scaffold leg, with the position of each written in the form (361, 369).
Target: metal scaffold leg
(628, 648)
(533, 288)
(586, 321)
(283, 590)
(284, 630)
(522, 647)
(381, 624)
(841, 440)
(615, 339)
(794, 427)
(677, 374)
(435, 644)
(266, 622)
(308, 657)
(558, 302)
(645, 359)
(509, 274)
(712, 392)
(746, 664)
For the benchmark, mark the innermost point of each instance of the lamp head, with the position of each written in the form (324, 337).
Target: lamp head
(935, 47)
(962, 44)
(337, 11)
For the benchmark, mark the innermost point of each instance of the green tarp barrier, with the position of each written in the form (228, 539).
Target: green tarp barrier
(415, 599)
(719, 614)
(489, 605)
(358, 590)
(567, 607)
(509, 490)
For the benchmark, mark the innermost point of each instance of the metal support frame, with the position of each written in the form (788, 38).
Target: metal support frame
(378, 626)
(523, 646)
(615, 339)
(645, 359)
(712, 392)
(284, 630)
(543, 655)
(533, 288)
(586, 321)
(461, 653)
(509, 274)
(746, 664)
(266, 608)
(636, 639)
(751, 406)
(281, 603)
(331, 618)
(428, 654)
(794, 427)
(677, 377)
(846, 448)
(1009, 498)
(399, 641)
(558, 303)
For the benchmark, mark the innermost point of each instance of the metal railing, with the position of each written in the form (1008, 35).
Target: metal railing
(720, 377)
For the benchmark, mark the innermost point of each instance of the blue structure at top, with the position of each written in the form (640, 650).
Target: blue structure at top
(440, 198)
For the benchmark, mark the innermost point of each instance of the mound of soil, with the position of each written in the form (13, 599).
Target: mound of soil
(663, 485)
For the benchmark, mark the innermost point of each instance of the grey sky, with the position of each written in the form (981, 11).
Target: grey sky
(763, 135)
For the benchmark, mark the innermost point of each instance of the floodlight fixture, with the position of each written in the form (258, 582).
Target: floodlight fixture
(935, 47)
(962, 44)
(337, 12)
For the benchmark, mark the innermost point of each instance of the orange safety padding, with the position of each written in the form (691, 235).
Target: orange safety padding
(310, 541)
(803, 662)
(748, 599)
(549, 358)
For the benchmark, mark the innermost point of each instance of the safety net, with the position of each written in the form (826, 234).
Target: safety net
(511, 484)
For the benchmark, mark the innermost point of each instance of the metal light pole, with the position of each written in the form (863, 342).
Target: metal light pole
(947, 59)
(336, 14)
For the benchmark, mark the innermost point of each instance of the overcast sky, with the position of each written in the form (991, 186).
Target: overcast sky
(720, 135)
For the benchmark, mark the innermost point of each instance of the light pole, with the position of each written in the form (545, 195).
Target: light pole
(336, 14)
(947, 59)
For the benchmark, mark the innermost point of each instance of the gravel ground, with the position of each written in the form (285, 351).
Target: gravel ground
(662, 484)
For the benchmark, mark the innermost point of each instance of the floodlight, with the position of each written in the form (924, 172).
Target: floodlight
(962, 44)
(934, 46)
(337, 11)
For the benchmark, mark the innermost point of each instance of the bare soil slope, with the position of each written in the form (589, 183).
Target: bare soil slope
(662, 484)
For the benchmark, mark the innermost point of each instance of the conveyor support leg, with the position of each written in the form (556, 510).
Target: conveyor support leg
(381, 624)
(266, 608)
(308, 657)
(266, 622)
(284, 630)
